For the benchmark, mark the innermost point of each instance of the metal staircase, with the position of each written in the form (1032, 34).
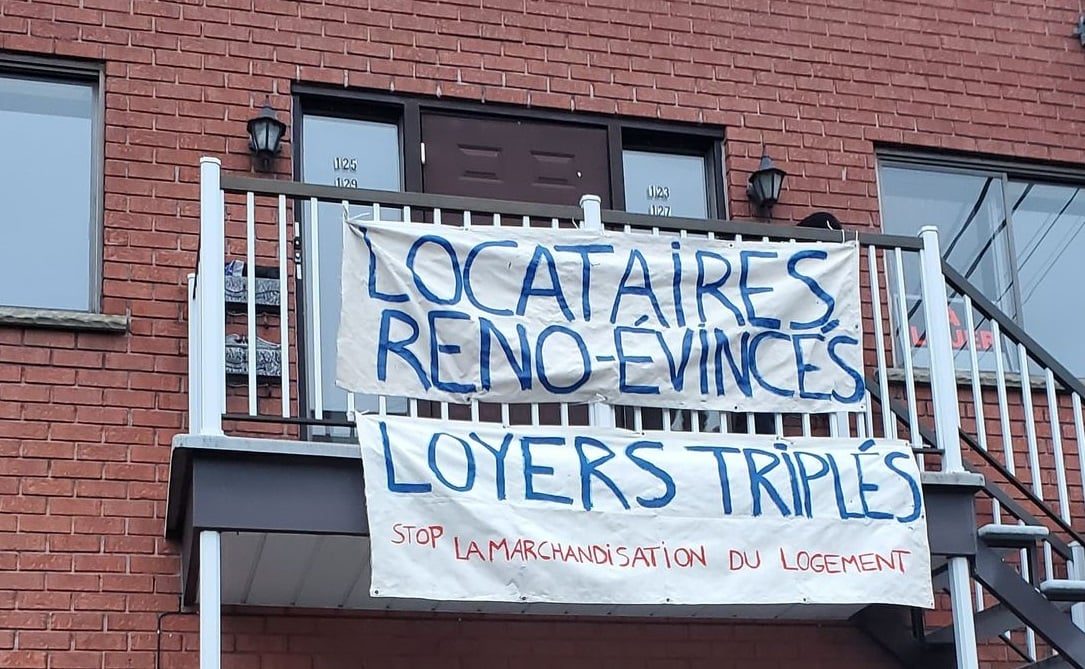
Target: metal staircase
(1028, 565)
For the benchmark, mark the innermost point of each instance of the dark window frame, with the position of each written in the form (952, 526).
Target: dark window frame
(92, 73)
(622, 132)
(1005, 170)
(406, 112)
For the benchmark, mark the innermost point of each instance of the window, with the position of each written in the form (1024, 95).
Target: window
(49, 183)
(665, 184)
(1015, 234)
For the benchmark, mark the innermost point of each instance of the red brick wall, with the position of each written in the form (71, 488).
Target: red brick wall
(86, 419)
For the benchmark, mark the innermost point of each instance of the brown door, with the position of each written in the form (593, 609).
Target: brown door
(508, 159)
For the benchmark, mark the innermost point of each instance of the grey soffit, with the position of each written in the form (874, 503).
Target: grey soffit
(315, 571)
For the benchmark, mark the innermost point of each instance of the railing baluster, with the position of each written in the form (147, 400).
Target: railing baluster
(1033, 448)
(1003, 400)
(868, 418)
(977, 391)
(250, 296)
(351, 400)
(284, 314)
(1079, 438)
(889, 424)
(906, 353)
(314, 291)
(1030, 421)
(1056, 447)
(195, 358)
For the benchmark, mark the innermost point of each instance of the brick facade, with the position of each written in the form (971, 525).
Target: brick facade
(86, 419)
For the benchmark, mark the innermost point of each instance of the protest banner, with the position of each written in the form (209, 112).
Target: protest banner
(482, 512)
(536, 315)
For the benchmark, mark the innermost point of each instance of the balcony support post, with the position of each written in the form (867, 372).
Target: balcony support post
(210, 378)
(210, 600)
(947, 420)
(599, 414)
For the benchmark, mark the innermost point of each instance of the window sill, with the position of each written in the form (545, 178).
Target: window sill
(964, 378)
(63, 320)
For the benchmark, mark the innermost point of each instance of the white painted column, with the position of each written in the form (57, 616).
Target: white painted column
(210, 600)
(211, 299)
(599, 414)
(947, 420)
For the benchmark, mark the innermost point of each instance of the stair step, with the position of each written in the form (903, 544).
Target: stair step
(997, 535)
(1063, 590)
(990, 622)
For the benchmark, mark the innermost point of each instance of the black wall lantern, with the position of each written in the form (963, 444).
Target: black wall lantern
(765, 184)
(265, 135)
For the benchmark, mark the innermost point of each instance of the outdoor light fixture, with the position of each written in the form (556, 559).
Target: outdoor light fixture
(265, 134)
(765, 184)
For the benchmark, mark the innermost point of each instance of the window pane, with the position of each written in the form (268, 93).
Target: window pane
(352, 154)
(969, 211)
(46, 176)
(665, 184)
(1047, 221)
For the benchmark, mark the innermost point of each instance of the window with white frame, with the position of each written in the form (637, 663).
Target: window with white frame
(1014, 233)
(49, 184)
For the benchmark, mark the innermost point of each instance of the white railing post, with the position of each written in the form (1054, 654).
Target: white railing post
(599, 414)
(947, 421)
(211, 299)
(947, 417)
(210, 593)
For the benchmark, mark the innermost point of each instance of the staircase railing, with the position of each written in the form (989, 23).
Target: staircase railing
(1021, 422)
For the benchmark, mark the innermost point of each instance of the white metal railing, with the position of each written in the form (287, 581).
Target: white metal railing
(269, 223)
(1019, 406)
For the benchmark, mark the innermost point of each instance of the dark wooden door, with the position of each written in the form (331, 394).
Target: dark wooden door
(510, 159)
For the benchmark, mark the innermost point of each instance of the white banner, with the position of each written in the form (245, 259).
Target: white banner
(506, 314)
(479, 512)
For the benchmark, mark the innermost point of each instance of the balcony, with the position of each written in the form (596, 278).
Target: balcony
(270, 468)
